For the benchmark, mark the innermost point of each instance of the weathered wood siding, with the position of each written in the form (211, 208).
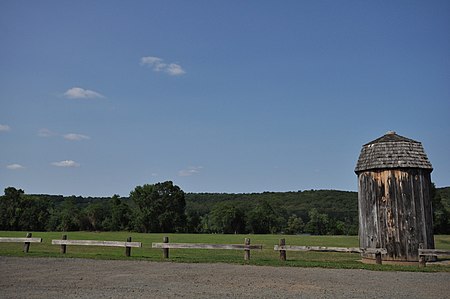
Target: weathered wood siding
(395, 212)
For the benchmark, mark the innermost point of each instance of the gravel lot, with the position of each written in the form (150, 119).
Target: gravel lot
(80, 278)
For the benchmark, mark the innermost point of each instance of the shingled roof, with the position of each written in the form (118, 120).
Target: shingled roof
(392, 151)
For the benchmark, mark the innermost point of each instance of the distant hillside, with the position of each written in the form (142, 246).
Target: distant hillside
(332, 202)
(445, 196)
(339, 204)
(311, 211)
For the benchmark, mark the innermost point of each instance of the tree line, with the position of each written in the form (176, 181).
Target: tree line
(164, 207)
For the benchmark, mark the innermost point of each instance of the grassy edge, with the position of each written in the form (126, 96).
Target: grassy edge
(265, 257)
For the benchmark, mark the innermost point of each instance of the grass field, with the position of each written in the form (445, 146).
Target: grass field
(267, 256)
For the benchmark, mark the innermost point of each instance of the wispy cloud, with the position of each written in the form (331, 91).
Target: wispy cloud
(46, 133)
(80, 93)
(175, 70)
(5, 128)
(66, 163)
(15, 167)
(158, 65)
(75, 137)
(190, 171)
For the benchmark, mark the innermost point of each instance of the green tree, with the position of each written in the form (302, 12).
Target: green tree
(194, 222)
(35, 213)
(160, 207)
(68, 215)
(227, 218)
(295, 225)
(11, 208)
(263, 219)
(317, 224)
(120, 215)
(96, 213)
(441, 216)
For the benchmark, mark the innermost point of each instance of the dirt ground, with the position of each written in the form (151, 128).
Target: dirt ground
(80, 278)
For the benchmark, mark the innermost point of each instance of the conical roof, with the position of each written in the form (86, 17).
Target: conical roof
(392, 151)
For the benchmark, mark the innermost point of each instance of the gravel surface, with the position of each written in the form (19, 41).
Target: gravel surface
(80, 278)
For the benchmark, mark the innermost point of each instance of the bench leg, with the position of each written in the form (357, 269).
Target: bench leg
(166, 250)
(63, 248)
(378, 258)
(247, 251)
(282, 252)
(128, 249)
(422, 261)
(26, 245)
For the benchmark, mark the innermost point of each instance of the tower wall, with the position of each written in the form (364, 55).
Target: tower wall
(395, 211)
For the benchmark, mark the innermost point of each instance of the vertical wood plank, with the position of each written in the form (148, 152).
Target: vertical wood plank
(247, 251)
(282, 252)
(63, 249)
(166, 250)
(26, 245)
(128, 249)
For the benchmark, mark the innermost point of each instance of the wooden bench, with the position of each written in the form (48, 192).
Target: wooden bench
(282, 247)
(128, 244)
(423, 253)
(26, 241)
(165, 246)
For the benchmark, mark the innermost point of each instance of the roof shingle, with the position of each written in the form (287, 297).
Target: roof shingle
(392, 151)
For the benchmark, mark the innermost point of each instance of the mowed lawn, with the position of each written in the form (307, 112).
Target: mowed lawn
(267, 256)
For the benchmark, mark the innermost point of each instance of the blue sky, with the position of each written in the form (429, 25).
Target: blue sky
(98, 97)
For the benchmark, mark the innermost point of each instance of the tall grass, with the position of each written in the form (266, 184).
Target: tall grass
(267, 256)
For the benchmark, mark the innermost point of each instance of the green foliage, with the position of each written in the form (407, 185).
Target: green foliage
(194, 222)
(34, 214)
(340, 207)
(121, 213)
(11, 208)
(441, 215)
(69, 216)
(160, 208)
(318, 223)
(18, 211)
(227, 218)
(171, 210)
(264, 219)
(295, 225)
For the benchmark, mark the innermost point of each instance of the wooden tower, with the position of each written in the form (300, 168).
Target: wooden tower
(394, 181)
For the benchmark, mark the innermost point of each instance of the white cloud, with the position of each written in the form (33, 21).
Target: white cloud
(80, 93)
(46, 133)
(66, 163)
(154, 62)
(158, 65)
(175, 70)
(15, 167)
(189, 171)
(75, 137)
(5, 128)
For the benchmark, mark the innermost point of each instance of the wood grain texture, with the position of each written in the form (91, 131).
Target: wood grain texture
(395, 212)
(20, 240)
(206, 246)
(96, 243)
(330, 249)
(434, 252)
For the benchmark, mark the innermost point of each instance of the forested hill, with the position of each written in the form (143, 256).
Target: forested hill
(444, 193)
(300, 202)
(329, 201)
(164, 207)
(334, 203)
